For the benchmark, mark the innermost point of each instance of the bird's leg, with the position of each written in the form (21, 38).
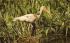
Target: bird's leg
(33, 29)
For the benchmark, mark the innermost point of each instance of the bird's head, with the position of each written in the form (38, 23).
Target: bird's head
(44, 8)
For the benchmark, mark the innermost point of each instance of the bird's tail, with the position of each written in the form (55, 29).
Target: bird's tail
(15, 19)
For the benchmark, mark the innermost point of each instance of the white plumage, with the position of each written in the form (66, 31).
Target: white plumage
(30, 17)
(27, 18)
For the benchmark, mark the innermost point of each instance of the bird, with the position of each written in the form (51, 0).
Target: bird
(30, 18)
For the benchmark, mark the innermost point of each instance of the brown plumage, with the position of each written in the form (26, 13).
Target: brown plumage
(31, 17)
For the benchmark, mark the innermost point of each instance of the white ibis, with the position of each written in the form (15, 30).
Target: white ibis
(31, 17)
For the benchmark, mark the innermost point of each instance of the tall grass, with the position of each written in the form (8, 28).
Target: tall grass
(57, 24)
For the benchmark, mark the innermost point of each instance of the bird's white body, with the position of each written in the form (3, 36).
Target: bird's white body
(27, 18)
(30, 17)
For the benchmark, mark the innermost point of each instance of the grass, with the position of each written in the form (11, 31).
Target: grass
(46, 27)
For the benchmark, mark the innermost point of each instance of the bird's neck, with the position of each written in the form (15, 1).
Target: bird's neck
(39, 13)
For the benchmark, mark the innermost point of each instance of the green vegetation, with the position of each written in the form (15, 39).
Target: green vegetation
(55, 25)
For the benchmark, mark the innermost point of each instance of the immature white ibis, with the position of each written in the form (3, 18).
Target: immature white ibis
(31, 17)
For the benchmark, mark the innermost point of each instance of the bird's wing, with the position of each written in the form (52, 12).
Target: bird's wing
(21, 18)
(30, 17)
